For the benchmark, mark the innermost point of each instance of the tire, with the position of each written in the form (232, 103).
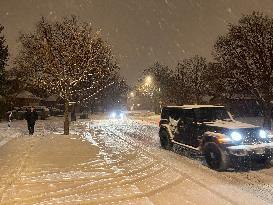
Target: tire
(215, 157)
(165, 141)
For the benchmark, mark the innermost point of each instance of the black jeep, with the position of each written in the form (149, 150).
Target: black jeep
(212, 131)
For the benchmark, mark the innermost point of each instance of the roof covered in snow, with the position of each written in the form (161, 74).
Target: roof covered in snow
(52, 98)
(26, 95)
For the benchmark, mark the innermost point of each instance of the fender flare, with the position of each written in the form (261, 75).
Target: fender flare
(208, 137)
(167, 129)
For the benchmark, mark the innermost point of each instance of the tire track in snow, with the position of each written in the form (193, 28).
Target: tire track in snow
(161, 159)
(257, 183)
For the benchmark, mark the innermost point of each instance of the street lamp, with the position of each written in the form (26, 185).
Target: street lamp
(130, 101)
(148, 80)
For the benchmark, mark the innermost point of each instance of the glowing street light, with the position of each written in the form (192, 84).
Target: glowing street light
(132, 94)
(148, 80)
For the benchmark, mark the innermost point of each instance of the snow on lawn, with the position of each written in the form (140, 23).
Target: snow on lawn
(149, 117)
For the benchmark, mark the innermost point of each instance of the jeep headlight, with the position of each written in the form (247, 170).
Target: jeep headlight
(236, 136)
(263, 134)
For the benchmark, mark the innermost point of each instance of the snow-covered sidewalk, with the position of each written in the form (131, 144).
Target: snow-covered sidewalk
(8, 133)
(34, 169)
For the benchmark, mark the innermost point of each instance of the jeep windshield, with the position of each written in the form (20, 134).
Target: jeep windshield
(211, 114)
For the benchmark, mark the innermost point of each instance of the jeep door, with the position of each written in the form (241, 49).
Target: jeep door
(186, 129)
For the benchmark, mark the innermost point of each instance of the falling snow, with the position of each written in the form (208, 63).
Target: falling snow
(129, 24)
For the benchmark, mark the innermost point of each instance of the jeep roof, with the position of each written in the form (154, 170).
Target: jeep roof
(187, 110)
(194, 106)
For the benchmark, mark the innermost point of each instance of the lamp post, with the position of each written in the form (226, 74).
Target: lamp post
(130, 100)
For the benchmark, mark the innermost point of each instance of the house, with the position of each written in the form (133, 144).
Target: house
(52, 101)
(24, 98)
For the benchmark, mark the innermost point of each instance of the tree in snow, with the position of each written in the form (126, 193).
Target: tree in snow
(245, 56)
(191, 76)
(66, 58)
(215, 86)
(3, 60)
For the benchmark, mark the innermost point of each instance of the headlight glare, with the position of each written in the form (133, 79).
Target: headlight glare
(113, 114)
(236, 136)
(263, 134)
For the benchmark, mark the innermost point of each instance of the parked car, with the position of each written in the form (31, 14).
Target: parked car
(212, 132)
(55, 111)
(42, 111)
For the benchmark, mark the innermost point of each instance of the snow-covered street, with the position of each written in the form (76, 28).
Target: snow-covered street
(115, 162)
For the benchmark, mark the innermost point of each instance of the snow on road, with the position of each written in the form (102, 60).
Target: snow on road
(224, 186)
(117, 162)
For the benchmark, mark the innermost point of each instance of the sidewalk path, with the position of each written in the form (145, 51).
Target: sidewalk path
(37, 169)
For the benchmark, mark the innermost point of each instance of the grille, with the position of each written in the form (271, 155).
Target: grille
(251, 136)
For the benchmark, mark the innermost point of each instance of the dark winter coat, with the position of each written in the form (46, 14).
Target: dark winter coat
(31, 117)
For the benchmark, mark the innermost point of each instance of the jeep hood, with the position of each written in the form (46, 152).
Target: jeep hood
(229, 124)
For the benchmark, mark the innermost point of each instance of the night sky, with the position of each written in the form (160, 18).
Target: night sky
(140, 31)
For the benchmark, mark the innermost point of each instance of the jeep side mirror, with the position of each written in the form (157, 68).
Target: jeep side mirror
(231, 116)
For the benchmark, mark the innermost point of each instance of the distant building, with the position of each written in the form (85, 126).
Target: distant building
(52, 101)
(24, 98)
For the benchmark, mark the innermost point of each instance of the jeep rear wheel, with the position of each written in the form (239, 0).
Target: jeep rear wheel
(165, 141)
(215, 157)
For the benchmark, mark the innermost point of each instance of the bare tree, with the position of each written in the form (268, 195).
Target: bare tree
(245, 55)
(64, 57)
(191, 79)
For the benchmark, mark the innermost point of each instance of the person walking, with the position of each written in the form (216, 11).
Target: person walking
(31, 117)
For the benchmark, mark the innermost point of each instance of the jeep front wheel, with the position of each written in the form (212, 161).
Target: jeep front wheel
(165, 141)
(215, 157)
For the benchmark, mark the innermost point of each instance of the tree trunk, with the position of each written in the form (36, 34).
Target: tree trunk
(197, 99)
(73, 113)
(267, 109)
(66, 118)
